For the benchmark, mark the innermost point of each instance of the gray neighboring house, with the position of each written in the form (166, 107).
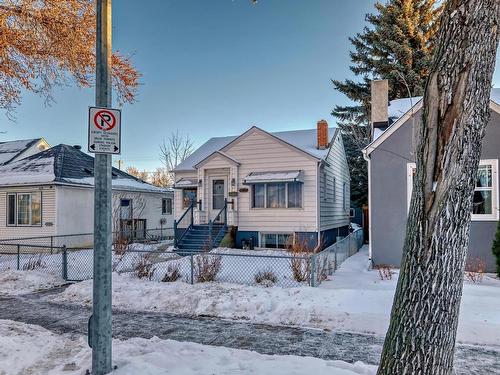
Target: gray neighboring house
(391, 164)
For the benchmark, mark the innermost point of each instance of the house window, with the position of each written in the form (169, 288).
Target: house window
(334, 189)
(276, 240)
(485, 198)
(188, 197)
(258, 196)
(24, 209)
(344, 196)
(166, 206)
(277, 195)
(294, 195)
(125, 209)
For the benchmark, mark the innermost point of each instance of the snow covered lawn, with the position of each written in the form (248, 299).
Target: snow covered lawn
(14, 282)
(30, 349)
(355, 300)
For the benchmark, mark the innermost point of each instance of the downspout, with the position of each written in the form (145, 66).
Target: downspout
(366, 156)
(318, 203)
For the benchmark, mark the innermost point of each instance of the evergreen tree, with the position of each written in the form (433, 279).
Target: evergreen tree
(496, 248)
(397, 45)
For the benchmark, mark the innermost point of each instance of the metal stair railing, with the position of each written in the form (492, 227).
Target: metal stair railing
(190, 211)
(222, 213)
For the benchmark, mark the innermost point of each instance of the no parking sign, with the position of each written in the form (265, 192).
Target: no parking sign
(104, 130)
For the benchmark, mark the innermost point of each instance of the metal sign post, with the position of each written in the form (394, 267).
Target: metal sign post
(100, 324)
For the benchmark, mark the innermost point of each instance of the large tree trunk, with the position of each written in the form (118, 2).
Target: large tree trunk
(424, 318)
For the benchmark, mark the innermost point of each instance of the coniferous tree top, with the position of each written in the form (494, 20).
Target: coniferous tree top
(396, 45)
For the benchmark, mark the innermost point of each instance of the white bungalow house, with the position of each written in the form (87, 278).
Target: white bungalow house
(269, 186)
(50, 193)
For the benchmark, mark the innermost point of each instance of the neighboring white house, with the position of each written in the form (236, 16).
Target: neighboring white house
(277, 185)
(51, 193)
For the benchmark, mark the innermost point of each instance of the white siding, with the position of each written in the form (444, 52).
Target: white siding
(259, 152)
(332, 213)
(49, 221)
(178, 209)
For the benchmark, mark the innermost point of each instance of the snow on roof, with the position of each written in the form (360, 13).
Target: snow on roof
(10, 149)
(65, 164)
(32, 171)
(305, 140)
(398, 107)
(262, 177)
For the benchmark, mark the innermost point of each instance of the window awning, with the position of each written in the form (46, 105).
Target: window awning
(184, 183)
(282, 176)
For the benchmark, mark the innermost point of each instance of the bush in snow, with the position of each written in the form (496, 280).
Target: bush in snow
(384, 271)
(173, 274)
(34, 263)
(300, 264)
(474, 269)
(207, 267)
(266, 278)
(496, 248)
(144, 267)
(121, 246)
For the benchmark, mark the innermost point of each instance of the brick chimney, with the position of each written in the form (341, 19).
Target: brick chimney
(379, 104)
(322, 134)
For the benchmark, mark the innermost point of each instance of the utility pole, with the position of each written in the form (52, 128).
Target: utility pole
(100, 324)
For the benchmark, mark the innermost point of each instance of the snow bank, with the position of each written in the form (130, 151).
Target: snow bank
(14, 282)
(355, 300)
(29, 349)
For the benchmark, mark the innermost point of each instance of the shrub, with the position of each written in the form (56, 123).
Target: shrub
(384, 271)
(300, 264)
(34, 263)
(207, 267)
(474, 269)
(144, 267)
(496, 248)
(173, 273)
(121, 246)
(266, 278)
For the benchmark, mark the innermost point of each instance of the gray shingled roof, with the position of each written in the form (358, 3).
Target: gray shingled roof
(305, 140)
(65, 164)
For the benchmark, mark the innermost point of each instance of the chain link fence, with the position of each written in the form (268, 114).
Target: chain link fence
(155, 260)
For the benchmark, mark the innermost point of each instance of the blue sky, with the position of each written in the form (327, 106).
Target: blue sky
(212, 68)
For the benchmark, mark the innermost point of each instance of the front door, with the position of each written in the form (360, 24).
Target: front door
(218, 192)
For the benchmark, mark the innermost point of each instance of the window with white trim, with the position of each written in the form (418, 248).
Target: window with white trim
(166, 206)
(24, 209)
(277, 195)
(485, 199)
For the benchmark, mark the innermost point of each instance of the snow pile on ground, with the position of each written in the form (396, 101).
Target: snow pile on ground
(29, 349)
(355, 299)
(13, 282)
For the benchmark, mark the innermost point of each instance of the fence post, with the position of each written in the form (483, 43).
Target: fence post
(192, 268)
(313, 270)
(18, 256)
(51, 244)
(64, 263)
(175, 233)
(210, 235)
(335, 267)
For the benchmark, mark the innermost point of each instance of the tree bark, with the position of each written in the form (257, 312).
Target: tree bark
(422, 332)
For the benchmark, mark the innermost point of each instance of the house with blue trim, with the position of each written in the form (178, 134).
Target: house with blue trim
(272, 188)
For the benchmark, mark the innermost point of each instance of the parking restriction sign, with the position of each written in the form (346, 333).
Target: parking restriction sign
(104, 130)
